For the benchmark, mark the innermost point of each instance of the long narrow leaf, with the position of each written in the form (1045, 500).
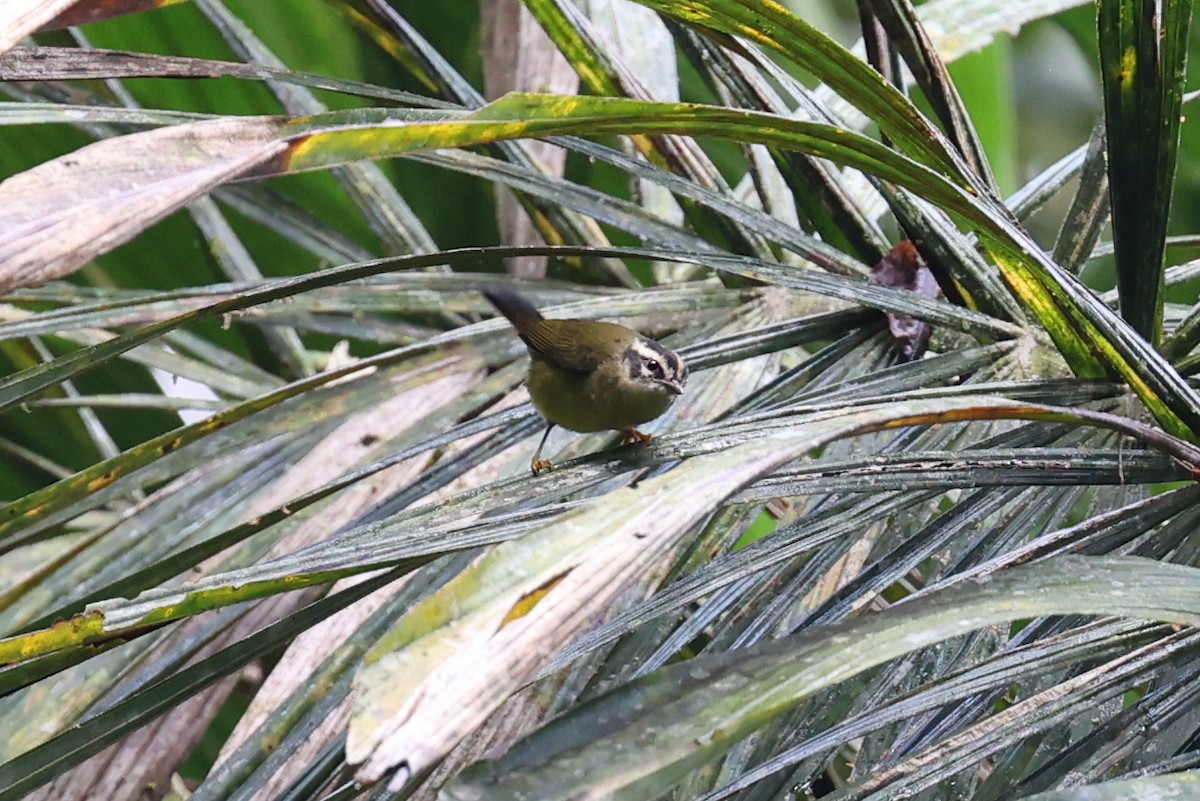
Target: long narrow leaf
(1143, 56)
(651, 732)
(42, 764)
(1172, 785)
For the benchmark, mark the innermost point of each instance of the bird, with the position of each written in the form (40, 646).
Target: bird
(586, 375)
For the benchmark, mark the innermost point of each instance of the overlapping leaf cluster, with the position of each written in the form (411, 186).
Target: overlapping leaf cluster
(832, 574)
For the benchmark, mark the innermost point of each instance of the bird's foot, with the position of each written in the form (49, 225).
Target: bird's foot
(631, 436)
(539, 465)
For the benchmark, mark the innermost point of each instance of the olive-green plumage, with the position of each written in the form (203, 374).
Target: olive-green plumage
(592, 376)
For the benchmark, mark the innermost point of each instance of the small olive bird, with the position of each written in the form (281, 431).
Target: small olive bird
(591, 376)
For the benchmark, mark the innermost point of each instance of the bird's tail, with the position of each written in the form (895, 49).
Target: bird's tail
(519, 311)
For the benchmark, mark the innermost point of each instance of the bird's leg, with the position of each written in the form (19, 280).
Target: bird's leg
(631, 436)
(538, 464)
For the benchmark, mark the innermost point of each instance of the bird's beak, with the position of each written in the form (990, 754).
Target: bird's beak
(674, 386)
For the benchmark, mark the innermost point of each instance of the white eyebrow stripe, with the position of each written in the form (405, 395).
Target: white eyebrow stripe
(651, 351)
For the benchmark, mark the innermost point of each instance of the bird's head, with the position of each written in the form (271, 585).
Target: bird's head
(651, 366)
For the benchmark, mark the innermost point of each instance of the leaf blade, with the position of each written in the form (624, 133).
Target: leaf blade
(685, 715)
(1143, 57)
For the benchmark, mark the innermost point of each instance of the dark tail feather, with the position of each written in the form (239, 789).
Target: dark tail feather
(519, 311)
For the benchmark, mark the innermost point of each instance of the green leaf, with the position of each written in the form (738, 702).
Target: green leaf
(908, 36)
(40, 765)
(774, 27)
(1143, 59)
(647, 735)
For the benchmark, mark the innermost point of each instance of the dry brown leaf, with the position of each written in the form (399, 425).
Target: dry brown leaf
(80, 13)
(19, 18)
(56, 217)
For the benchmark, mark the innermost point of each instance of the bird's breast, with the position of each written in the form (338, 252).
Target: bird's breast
(593, 402)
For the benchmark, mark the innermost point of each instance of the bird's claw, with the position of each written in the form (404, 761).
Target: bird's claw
(538, 465)
(631, 436)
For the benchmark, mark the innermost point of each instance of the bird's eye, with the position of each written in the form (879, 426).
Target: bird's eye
(656, 369)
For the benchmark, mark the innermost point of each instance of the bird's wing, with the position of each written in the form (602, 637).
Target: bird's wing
(558, 342)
